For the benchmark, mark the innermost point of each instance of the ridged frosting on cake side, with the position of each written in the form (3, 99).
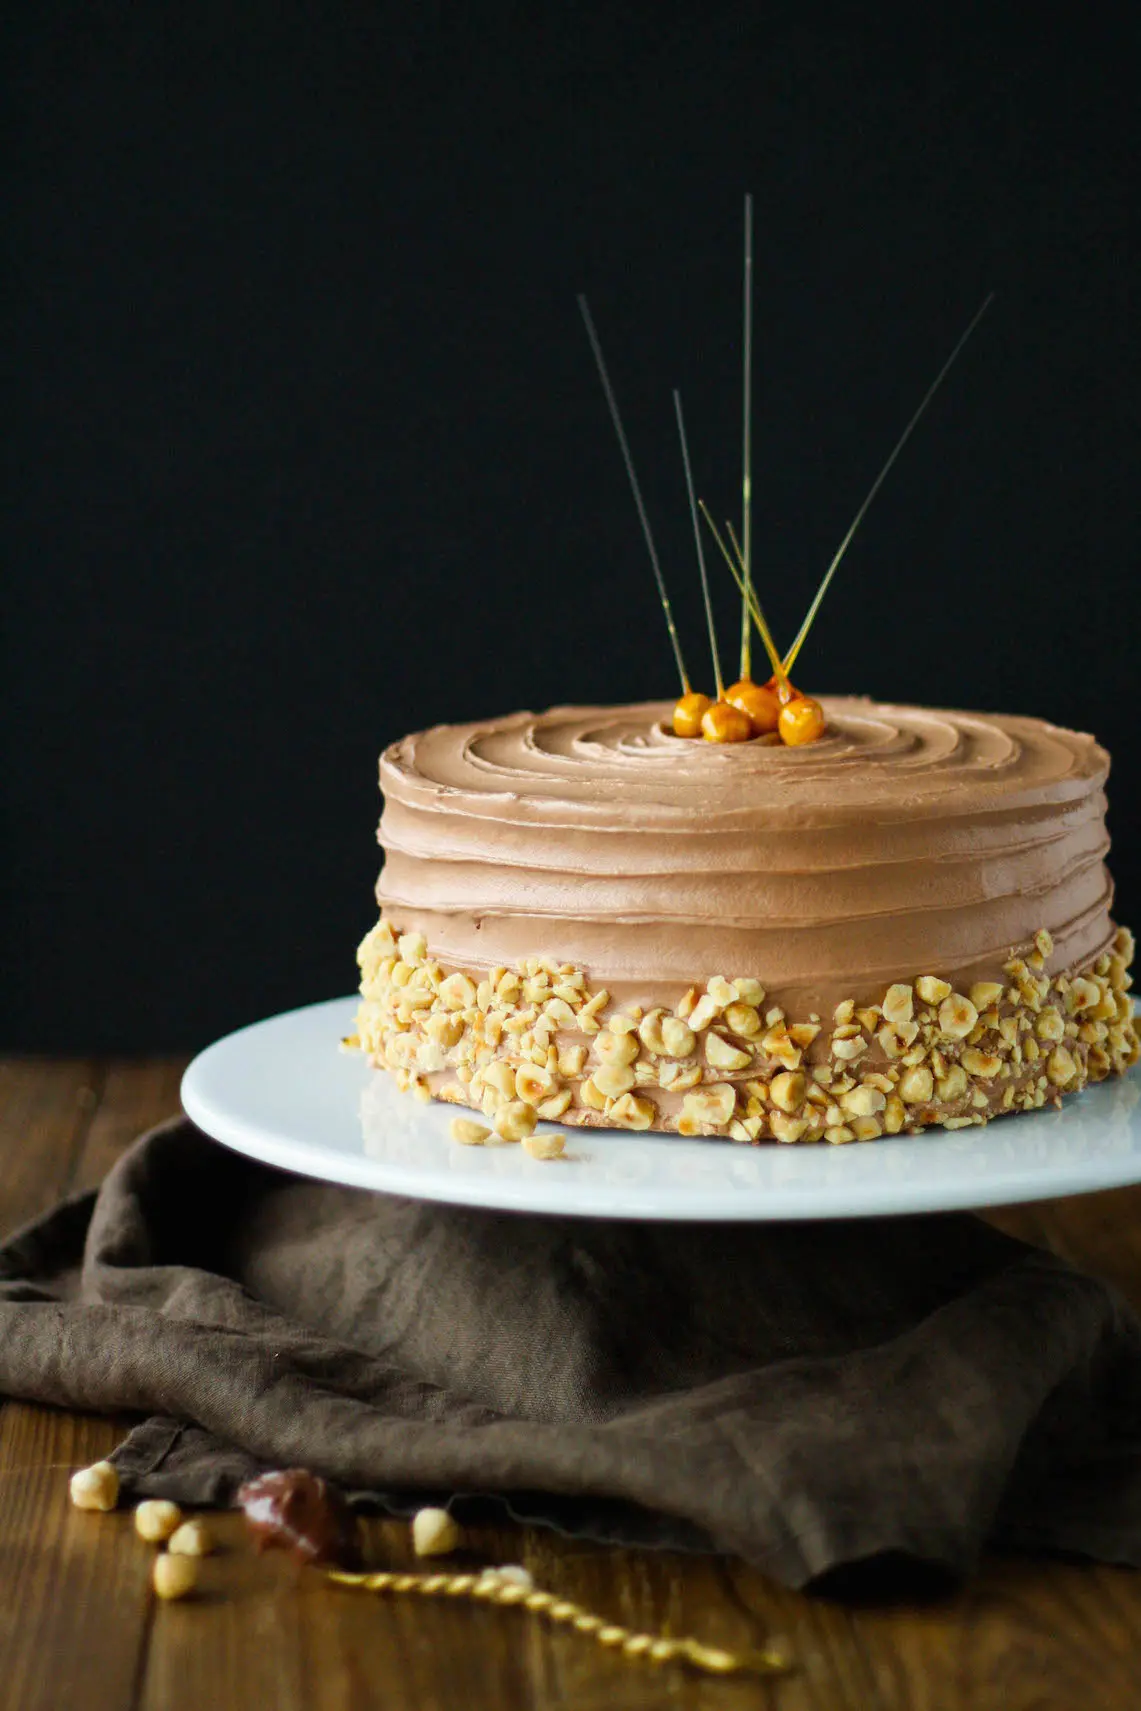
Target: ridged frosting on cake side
(905, 839)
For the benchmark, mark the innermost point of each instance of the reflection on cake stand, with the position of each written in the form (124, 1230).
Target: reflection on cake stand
(280, 1091)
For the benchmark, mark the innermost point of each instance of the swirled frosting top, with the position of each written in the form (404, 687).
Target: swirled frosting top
(905, 838)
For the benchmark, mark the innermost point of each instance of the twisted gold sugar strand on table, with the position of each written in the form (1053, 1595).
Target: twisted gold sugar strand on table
(489, 1589)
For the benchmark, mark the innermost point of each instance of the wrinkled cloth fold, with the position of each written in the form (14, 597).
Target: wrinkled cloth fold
(805, 1396)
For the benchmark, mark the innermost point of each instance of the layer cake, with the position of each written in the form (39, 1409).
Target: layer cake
(903, 923)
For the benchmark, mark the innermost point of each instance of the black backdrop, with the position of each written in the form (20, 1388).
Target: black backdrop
(309, 450)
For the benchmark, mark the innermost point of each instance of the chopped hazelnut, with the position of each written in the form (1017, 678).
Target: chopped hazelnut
(544, 1146)
(514, 1120)
(467, 1133)
(897, 1005)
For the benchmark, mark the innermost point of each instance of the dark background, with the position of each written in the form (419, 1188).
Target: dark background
(309, 450)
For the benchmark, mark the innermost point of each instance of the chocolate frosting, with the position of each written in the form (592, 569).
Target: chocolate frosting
(906, 840)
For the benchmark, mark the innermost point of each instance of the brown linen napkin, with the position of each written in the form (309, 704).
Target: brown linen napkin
(808, 1396)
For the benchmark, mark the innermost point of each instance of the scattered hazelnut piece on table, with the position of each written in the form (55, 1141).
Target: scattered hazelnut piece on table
(95, 1487)
(434, 1533)
(192, 1539)
(174, 1576)
(544, 1146)
(156, 1520)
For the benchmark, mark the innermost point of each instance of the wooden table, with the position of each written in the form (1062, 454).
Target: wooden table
(79, 1627)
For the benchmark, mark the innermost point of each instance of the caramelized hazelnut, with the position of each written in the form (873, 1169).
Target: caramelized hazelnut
(725, 724)
(783, 691)
(759, 703)
(801, 721)
(688, 714)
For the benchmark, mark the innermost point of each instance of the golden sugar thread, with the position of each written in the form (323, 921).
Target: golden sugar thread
(749, 596)
(700, 548)
(488, 1589)
(802, 633)
(759, 617)
(627, 457)
(747, 444)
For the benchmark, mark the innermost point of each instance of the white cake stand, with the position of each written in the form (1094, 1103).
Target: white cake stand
(283, 1091)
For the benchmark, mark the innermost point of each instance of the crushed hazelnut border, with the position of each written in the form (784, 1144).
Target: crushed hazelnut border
(536, 1042)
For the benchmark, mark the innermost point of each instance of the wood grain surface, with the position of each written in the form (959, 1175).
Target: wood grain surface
(80, 1628)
